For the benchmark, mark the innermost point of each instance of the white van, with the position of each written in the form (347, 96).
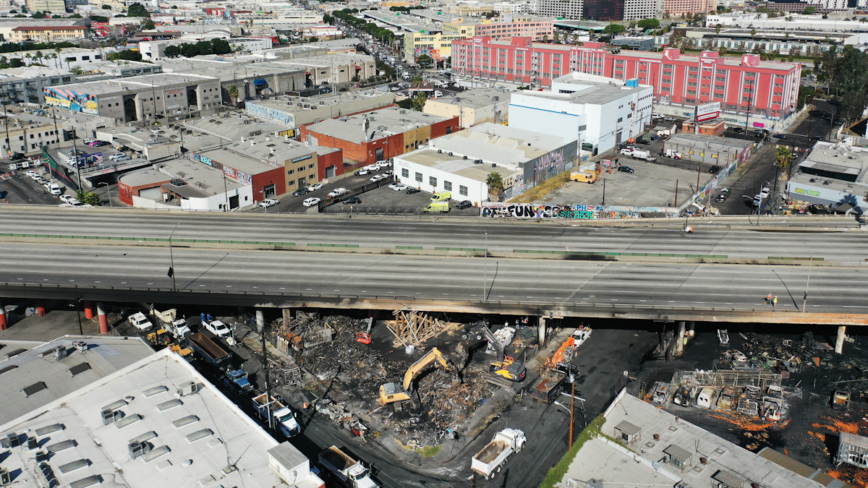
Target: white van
(705, 399)
(55, 189)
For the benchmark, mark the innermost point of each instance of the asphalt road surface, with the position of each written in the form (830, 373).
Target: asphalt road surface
(846, 246)
(619, 284)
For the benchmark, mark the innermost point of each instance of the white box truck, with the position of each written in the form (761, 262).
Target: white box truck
(643, 155)
(491, 459)
(346, 470)
(284, 419)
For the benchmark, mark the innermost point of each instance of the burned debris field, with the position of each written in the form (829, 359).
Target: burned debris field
(761, 389)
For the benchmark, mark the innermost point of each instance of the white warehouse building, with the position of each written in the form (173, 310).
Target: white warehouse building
(461, 162)
(602, 112)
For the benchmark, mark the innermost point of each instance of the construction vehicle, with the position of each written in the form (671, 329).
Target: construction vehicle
(283, 417)
(185, 352)
(346, 470)
(159, 338)
(393, 392)
(548, 386)
(237, 378)
(365, 337)
(208, 349)
(175, 326)
(140, 321)
(502, 368)
(491, 459)
(564, 354)
(586, 176)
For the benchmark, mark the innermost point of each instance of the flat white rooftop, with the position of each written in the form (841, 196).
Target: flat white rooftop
(197, 440)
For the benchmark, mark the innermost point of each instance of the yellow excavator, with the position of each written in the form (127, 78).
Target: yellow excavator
(503, 367)
(393, 392)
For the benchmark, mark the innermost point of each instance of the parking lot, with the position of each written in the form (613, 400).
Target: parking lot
(651, 185)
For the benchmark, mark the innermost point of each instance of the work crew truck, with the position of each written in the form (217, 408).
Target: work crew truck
(346, 470)
(493, 457)
(284, 419)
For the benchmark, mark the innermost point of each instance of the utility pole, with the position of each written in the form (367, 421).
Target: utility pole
(604, 192)
(8, 141)
(747, 112)
(267, 387)
(572, 409)
(808, 281)
(485, 280)
(676, 193)
(171, 257)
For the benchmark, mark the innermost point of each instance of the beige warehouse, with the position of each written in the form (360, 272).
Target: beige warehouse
(472, 107)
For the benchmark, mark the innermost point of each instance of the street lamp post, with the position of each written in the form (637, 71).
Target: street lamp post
(172, 258)
(808, 281)
(109, 190)
(485, 280)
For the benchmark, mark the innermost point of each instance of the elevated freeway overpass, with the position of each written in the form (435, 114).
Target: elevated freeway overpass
(631, 272)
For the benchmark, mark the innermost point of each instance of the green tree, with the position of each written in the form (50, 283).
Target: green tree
(783, 158)
(98, 18)
(417, 82)
(39, 15)
(75, 16)
(648, 24)
(419, 102)
(106, 7)
(137, 10)
(88, 198)
(495, 186)
(545, 38)
(233, 92)
(149, 25)
(717, 29)
(125, 55)
(424, 61)
(810, 10)
(614, 29)
(557, 38)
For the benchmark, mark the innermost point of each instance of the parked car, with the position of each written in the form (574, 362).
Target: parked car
(737, 130)
(66, 198)
(88, 140)
(377, 178)
(780, 136)
(352, 201)
(300, 192)
(337, 192)
(310, 202)
(363, 172)
(218, 328)
(123, 157)
(625, 169)
(268, 202)
(714, 169)
(398, 186)
(314, 187)
(412, 190)
(17, 157)
(764, 193)
(94, 143)
(463, 204)
(722, 197)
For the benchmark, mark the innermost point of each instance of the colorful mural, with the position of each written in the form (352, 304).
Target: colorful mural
(72, 100)
(270, 114)
(564, 211)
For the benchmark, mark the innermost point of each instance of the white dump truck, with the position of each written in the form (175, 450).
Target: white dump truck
(284, 419)
(346, 470)
(493, 457)
(177, 327)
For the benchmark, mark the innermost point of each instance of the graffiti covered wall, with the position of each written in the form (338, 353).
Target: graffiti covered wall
(278, 116)
(72, 100)
(564, 211)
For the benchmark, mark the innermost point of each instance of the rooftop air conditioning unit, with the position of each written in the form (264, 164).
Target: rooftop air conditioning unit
(138, 449)
(465, 156)
(111, 416)
(439, 151)
(450, 153)
(187, 388)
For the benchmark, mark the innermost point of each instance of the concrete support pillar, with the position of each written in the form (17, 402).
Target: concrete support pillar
(2, 316)
(542, 331)
(691, 329)
(88, 310)
(103, 320)
(40, 309)
(681, 331)
(260, 320)
(839, 344)
(287, 315)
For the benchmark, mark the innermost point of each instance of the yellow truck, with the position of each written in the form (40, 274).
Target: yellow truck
(586, 176)
(439, 203)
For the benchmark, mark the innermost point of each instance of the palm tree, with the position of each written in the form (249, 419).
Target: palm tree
(545, 38)
(233, 93)
(557, 38)
(717, 29)
(783, 157)
(38, 56)
(29, 57)
(417, 82)
(495, 186)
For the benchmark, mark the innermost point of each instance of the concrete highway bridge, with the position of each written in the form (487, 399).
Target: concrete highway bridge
(817, 267)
